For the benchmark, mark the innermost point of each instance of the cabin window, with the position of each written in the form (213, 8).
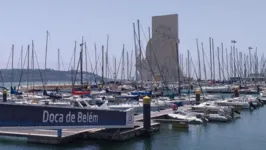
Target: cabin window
(75, 104)
(83, 103)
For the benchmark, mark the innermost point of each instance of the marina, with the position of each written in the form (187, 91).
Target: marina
(132, 75)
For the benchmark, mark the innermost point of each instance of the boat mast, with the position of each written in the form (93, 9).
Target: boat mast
(222, 46)
(188, 67)
(131, 64)
(115, 69)
(198, 58)
(127, 67)
(178, 69)
(213, 59)
(46, 49)
(136, 53)
(123, 64)
(219, 66)
(203, 58)
(140, 52)
(21, 61)
(75, 51)
(210, 41)
(250, 63)
(81, 63)
(32, 71)
(58, 59)
(86, 61)
(257, 61)
(150, 49)
(96, 67)
(107, 66)
(245, 66)
(231, 62)
(12, 65)
(102, 64)
(234, 55)
(227, 69)
(237, 63)
(28, 66)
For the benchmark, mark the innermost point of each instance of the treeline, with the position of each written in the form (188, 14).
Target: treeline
(16, 75)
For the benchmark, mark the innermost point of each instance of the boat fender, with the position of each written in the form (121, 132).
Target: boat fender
(174, 107)
(198, 116)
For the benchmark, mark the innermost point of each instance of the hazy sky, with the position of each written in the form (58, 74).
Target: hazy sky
(69, 20)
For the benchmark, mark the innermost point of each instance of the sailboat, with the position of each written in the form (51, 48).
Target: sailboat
(82, 91)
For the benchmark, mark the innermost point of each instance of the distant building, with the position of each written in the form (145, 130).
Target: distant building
(161, 52)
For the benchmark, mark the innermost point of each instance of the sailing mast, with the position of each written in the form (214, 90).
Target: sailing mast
(86, 61)
(123, 63)
(227, 69)
(96, 67)
(32, 71)
(188, 67)
(131, 64)
(106, 66)
(136, 53)
(140, 52)
(115, 69)
(58, 59)
(237, 63)
(46, 49)
(150, 49)
(81, 63)
(198, 59)
(102, 64)
(231, 62)
(245, 66)
(257, 61)
(213, 59)
(250, 63)
(234, 55)
(74, 67)
(219, 66)
(222, 46)
(28, 66)
(12, 65)
(127, 67)
(210, 41)
(203, 58)
(178, 70)
(21, 61)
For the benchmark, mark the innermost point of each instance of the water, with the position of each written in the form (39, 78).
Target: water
(246, 133)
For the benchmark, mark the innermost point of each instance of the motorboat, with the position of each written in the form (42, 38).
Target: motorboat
(238, 102)
(210, 106)
(184, 116)
(217, 89)
(262, 97)
(138, 107)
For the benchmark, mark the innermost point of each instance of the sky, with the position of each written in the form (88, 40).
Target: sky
(68, 20)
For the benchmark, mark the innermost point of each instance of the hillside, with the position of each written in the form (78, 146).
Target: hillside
(38, 74)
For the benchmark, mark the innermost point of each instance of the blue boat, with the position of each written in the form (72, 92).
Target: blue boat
(142, 93)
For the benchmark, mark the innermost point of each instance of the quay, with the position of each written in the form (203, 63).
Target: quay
(67, 135)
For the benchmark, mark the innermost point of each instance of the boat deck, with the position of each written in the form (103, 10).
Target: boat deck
(155, 114)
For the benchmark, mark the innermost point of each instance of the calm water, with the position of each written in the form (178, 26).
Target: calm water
(246, 133)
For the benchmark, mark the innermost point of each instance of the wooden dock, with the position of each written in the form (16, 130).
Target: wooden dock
(69, 135)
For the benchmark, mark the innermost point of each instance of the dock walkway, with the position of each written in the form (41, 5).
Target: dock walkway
(71, 134)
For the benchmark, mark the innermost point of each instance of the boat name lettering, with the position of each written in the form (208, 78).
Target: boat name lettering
(88, 117)
(50, 117)
(70, 117)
